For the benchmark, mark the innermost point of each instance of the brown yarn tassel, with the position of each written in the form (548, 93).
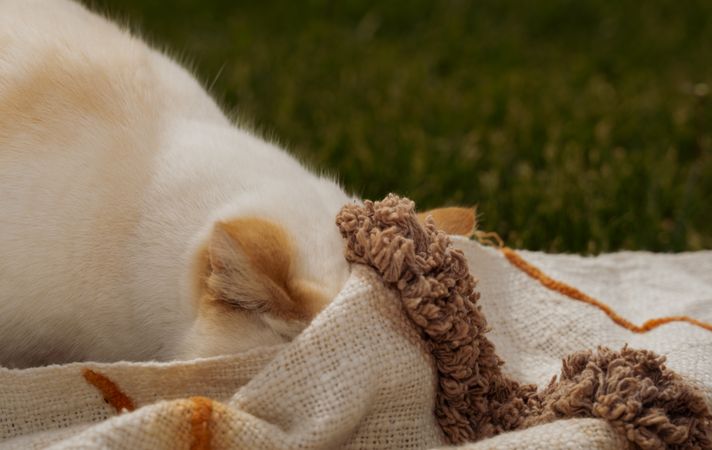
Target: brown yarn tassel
(632, 389)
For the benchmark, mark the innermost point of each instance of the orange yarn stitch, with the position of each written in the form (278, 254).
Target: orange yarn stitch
(575, 294)
(200, 423)
(111, 392)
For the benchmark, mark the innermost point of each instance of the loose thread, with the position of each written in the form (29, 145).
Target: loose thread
(109, 390)
(493, 239)
(573, 293)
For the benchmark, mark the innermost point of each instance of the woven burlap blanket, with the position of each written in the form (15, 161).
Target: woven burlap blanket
(404, 358)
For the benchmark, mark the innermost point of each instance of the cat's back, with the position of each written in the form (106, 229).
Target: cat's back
(61, 64)
(80, 119)
(85, 110)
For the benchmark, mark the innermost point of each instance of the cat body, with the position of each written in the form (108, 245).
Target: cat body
(136, 221)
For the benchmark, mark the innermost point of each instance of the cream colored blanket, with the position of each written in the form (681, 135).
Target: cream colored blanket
(360, 375)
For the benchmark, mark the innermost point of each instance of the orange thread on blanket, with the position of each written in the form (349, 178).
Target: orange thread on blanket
(111, 392)
(571, 292)
(200, 423)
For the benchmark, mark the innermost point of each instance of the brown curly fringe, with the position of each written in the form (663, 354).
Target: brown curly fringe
(651, 406)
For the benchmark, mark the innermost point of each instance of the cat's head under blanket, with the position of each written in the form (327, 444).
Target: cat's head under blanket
(262, 275)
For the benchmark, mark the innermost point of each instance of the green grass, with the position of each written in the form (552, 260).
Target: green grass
(575, 125)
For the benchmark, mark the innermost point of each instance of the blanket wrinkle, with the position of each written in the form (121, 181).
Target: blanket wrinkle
(651, 406)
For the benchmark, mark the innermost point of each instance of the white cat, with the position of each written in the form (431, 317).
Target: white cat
(136, 221)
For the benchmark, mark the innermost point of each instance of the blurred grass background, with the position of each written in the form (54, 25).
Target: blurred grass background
(574, 125)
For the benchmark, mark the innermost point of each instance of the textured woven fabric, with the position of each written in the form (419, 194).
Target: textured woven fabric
(360, 376)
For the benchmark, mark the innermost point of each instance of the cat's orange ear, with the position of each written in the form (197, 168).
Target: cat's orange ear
(249, 265)
(454, 220)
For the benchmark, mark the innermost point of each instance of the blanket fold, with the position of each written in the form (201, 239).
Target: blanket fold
(404, 358)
